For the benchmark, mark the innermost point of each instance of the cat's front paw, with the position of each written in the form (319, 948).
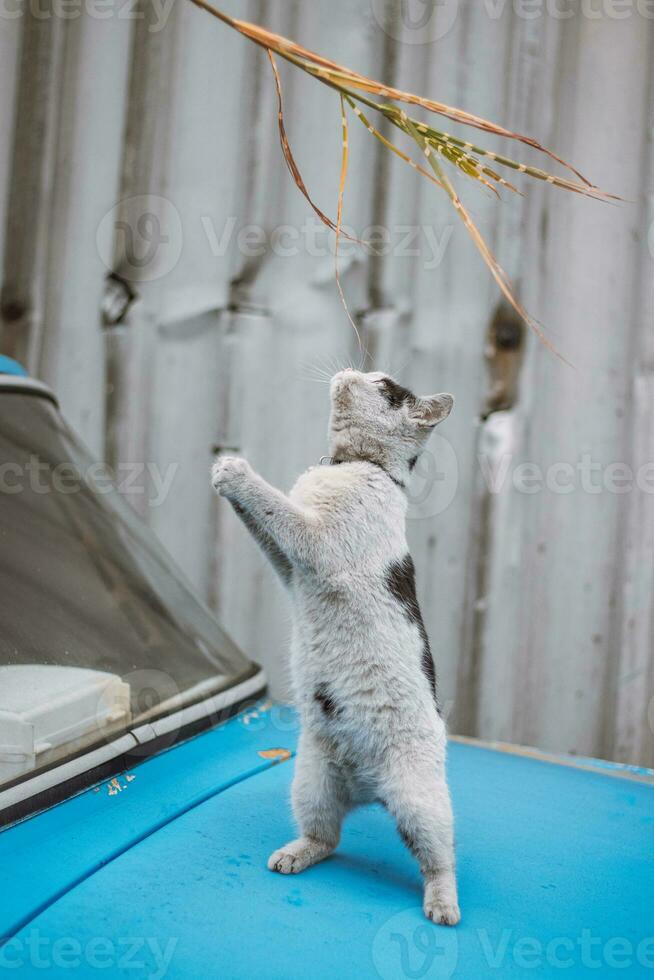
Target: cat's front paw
(229, 473)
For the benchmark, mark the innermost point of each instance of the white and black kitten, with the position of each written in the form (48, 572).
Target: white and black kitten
(361, 667)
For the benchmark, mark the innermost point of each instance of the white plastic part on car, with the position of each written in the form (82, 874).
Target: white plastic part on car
(44, 708)
(211, 708)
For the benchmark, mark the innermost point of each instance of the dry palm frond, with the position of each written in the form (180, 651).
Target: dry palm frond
(345, 155)
(387, 143)
(286, 149)
(496, 270)
(466, 157)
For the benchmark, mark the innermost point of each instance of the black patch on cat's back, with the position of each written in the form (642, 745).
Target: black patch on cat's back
(326, 701)
(401, 582)
(427, 664)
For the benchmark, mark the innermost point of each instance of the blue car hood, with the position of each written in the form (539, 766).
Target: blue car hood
(162, 873)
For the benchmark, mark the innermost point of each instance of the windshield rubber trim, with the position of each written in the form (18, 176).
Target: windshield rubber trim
(13, 384)
(142, 729)
(127, 751)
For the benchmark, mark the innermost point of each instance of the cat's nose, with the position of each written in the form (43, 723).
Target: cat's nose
(342, 382)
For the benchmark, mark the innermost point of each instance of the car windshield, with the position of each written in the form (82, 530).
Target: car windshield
(99, 631)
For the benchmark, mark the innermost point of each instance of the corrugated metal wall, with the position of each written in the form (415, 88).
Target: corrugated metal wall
(144, 142)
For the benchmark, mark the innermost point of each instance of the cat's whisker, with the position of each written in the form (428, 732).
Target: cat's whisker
(330, 363)
(317, 362)
(337, 364)
(314, 370)
(400, 370)
(365, 356)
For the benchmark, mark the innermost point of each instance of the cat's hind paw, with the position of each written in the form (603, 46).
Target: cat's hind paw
(440, 901)
(298, 855)
(444, 915)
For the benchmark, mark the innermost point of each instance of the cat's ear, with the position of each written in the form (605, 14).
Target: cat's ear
(433, 409)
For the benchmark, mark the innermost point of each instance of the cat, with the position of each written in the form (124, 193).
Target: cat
(361, 668)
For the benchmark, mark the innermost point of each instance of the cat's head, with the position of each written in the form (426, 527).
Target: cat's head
(375, 418)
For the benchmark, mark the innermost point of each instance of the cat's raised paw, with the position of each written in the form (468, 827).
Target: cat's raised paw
(228, 473)
(443, 915)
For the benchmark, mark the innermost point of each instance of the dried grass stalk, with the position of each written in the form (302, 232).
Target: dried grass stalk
(436, 145)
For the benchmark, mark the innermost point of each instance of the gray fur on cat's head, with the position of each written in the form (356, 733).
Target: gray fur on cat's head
(376, 419)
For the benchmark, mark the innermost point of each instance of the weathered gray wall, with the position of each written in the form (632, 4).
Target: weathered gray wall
(538, 600)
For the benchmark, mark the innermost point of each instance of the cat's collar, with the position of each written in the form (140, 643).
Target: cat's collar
(332, 461)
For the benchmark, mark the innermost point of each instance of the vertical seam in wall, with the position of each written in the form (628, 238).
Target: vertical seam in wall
(481, 540)
(376, 294)
(638, 323)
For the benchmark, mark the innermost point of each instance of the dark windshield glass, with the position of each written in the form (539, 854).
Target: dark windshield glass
(84, 584)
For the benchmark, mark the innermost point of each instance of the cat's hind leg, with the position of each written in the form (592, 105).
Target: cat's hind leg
(418, 797)
(320, 801)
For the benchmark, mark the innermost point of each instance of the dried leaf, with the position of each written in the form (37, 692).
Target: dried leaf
(462, 154)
